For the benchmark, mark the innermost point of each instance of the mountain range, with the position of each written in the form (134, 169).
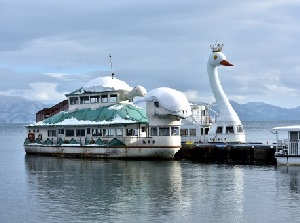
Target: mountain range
(15, 109)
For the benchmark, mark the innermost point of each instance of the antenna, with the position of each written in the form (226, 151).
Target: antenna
(111, 67)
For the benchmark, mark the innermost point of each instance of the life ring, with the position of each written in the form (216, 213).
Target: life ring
(31, 137)
(40, 136)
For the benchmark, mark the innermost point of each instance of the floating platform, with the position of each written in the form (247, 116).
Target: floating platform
(246, 153)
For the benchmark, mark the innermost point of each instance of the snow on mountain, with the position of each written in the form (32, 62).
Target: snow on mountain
(15, 109)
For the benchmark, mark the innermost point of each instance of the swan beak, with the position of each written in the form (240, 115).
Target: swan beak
(225, 63)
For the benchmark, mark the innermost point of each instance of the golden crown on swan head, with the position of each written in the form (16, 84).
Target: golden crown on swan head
(217, 47)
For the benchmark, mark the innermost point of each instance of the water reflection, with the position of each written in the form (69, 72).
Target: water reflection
(103, 189)
(291, 177)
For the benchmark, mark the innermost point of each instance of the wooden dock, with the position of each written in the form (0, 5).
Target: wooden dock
(252, 153)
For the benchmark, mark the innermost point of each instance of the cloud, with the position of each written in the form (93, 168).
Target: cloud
(153, 44)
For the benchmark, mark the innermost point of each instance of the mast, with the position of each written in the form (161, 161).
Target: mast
(111, 67)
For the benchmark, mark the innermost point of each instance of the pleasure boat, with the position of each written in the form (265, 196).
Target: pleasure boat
(99, 120)
(288, 149)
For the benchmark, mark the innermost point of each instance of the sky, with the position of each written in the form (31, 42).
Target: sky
(49, 48)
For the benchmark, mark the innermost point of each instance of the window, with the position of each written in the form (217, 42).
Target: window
(80, 132)
(119, 132)
(111, 132)
(69, 132)
(96, 132)
(192, 132)
(219, 129)
(95, 99)
(206, 131)
(164, 131)
(154, 131)
(184, 132)
(143, 128)
(229, 129)
(61, 131)
(51, 133)
(240, 129)
(174, 131)
(73, 100)
(84, 100)
(88, 131)
(113, 98)
(104, 98)
(131, 132)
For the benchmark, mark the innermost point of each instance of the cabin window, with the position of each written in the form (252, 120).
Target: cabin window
(96, 132)
(240, 129)
(51, 133)
(229, 129)
(206, 130)
(80, 132)
(192, 132)
(164, 131)
(184, 132)
(104, 132)
(175, 131)
(95, 99)
(154, 131)
(104, 98)
(69, 132)
(84, 100)
(219, 129)
(131, 132)
(119, 132)
(111, 132)
(113, 98)
(73, 100)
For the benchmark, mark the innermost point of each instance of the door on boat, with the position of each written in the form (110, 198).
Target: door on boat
(294, 137)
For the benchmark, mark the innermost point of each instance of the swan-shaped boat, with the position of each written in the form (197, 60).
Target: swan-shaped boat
(228, 127)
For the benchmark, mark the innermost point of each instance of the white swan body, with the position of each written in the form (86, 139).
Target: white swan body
(228, 127)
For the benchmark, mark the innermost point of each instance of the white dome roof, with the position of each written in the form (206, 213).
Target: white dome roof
(107, 83)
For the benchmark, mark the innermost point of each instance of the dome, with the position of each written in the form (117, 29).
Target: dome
(169, 98)
(107, 83)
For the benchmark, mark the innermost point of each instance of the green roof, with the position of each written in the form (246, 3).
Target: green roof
(105, 115)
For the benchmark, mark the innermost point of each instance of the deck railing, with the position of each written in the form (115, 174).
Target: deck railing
(294, 148)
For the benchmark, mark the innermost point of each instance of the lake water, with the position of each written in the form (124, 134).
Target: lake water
(49, 189)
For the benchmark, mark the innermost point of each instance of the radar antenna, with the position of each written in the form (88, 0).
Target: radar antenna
(111, 67)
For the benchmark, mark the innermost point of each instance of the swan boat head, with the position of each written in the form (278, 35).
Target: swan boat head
(228, 127)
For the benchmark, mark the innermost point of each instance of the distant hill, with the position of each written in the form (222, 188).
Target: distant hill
(258, 111)
(14, 109)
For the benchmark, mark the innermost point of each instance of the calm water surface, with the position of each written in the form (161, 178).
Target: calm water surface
(48, 189)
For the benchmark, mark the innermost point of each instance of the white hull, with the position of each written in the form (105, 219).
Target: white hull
(166, 152)
(288, 160)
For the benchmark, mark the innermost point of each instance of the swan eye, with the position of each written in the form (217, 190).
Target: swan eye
(215, 57)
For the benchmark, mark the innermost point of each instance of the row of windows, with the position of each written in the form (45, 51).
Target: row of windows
(95, 132)
(164, 131)
(230, 129)
(112, 98)
(192, 132)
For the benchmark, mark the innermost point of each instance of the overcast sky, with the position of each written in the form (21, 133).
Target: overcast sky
(52, 47)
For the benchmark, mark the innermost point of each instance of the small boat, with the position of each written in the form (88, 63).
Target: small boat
(100, 120)
(287, 150)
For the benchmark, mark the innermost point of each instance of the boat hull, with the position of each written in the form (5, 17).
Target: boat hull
(158, 152)
(288, 160)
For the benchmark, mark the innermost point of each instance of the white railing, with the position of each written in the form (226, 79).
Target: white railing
(294, 148)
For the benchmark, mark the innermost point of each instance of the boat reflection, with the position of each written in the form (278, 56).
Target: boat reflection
(104, 187)
(291, 177)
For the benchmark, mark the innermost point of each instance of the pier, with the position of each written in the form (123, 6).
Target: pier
(256, 153)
